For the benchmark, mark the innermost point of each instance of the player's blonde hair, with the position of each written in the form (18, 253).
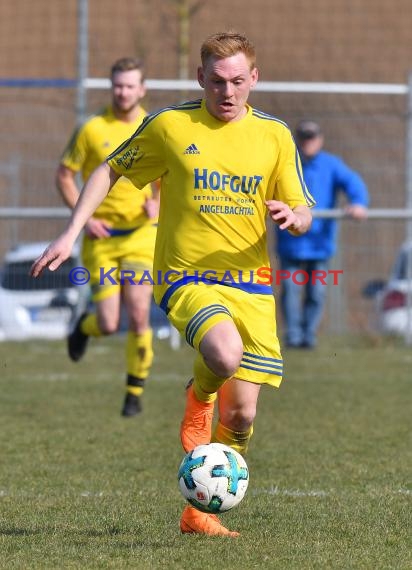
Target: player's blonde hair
(226, 44)
(127, 64)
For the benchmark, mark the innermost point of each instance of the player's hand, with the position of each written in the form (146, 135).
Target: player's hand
(52, 257)
(151, 207)
(356, 211)
(283, 215)
(97, 229)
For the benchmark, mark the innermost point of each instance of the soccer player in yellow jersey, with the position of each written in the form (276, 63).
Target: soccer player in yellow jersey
(224, 167)
(120, 236)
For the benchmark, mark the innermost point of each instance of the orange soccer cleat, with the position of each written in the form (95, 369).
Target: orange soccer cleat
(196, 427)
(196, 522)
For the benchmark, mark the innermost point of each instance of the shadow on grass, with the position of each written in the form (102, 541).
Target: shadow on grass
(113, 531)
(135, 542)
(13, 531)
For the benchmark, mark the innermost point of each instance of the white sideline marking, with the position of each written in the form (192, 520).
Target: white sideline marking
(99, 349)
(38, 348)
(173, 377)
(58, 376)
(289, 492)
(48, 377)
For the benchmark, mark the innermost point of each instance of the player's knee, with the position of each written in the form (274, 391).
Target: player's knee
(225, 360)
(110, 329)
(222, 349)
(108, 326)
(238, 418)
(139, 323)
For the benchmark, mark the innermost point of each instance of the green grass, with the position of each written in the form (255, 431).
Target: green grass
(82, 487)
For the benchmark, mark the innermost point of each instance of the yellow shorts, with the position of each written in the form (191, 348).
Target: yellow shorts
(118, 259)
(195, 308)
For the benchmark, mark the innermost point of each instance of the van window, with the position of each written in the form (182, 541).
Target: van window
(401, 271)
(15, 277)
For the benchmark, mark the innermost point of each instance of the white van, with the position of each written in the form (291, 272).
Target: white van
(38, 308)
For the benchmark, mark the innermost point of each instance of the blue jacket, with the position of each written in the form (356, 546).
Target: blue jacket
(325, 176)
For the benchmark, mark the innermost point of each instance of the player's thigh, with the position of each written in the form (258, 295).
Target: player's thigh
(138, 296)
(222, 347)
(255, 318)
(108, 313)
(195, 308)
(137, 300)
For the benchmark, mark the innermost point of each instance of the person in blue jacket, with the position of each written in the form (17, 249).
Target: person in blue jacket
(325, 175)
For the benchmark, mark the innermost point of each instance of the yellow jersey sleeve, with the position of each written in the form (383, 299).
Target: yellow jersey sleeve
(142, 158)
(77, 150)
(289, 186)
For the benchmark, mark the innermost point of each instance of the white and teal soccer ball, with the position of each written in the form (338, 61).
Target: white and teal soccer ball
(213, 478)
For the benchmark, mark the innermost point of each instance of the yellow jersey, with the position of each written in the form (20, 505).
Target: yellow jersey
(215, 178)
(89, 147)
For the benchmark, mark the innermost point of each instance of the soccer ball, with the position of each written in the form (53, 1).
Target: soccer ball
(213, 477)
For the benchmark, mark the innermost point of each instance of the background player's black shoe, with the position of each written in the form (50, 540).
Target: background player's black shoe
(77, 341)
(132, 405)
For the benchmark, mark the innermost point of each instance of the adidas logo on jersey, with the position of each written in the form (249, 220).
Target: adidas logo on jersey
(192, 149)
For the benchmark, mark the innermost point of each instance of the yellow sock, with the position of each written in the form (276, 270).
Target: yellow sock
(239, 440)
(139, 354)
(205, 383)
(90, 326)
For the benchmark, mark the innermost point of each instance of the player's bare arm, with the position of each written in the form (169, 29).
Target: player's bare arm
(93, 194)
(66, 185)
(69, 191)
(296, 221)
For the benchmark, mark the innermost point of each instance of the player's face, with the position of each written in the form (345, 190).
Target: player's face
(310, 147)
(227, 83)
(127, 90)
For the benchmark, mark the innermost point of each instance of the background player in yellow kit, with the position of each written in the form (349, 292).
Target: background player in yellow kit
(121, 233)
(224, 167)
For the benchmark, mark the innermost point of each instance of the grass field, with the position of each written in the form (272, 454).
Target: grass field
(82, 487)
